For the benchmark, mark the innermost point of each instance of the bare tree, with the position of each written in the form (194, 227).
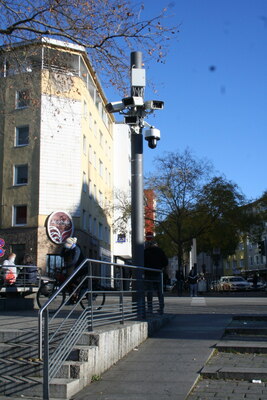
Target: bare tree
(108, 29)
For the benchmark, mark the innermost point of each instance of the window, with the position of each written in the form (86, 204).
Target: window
(100, 198)
(90, 122)
(101, 138)
(90, 154)
(84, 183)
(20, 174)
(84, 219)
(22, 98)
(22, 136)
(84, 144)
(90, 188)
(90, 223)
(100, 168)
(20, 215)
(100, 231)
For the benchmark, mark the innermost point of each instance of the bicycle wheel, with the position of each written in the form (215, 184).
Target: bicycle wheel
(43, 295)
(98, 300)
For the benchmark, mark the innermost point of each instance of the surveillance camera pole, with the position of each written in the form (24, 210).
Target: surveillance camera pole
(137, 191)
(135, 109)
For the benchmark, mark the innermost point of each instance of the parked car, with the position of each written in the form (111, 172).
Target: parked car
(233, 283)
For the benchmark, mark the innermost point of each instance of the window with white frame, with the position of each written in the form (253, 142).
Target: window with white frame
(21, 174)
(84, 144)
(22, 136)
(94, 193)
(90, 122)
(19, 215)
(100, 198)
(90, 188)
(22, 98)
(94, 159)
(101, 138)
(100, 167)
(90, 154)
(84, 183)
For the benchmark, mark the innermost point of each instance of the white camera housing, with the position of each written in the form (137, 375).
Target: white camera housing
(154, 105)
(152, 135)
(133, 101)
(115, 106)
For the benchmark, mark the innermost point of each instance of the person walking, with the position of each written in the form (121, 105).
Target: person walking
(193, 280)
(72, 257)
(155, 258)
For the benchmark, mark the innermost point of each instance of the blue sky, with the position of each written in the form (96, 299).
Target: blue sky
(220, 114)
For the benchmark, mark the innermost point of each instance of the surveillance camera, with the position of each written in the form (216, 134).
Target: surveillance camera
(115, 106)
(152, 135)
(154, 105)
(131, 120)
(133, 101)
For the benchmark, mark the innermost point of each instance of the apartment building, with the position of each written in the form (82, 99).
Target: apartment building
(56, 152)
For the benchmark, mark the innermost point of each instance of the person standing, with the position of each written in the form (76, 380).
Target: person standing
(155, 258)
(179, 282)
(193, 280)
(9, 270)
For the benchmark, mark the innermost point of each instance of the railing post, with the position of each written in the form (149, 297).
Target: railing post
(90, 296)
(46, 394)
(121, 296)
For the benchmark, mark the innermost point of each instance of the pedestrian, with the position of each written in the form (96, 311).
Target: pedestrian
(193, 280)
(72, 257)
(179, 282)
(255, 281)
(30, 270)
(155, 258)
(9, 270)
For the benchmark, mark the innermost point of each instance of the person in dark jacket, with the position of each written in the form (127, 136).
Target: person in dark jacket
(179, 282)
(155, 258)
(29, 273)
(73, 257)
(193, 280)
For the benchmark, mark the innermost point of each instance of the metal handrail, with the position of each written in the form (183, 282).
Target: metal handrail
(62, 330)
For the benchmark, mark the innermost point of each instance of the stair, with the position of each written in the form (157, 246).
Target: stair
(21, 371)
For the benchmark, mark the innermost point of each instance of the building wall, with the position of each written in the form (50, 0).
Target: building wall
(122, 186)
(69, 154)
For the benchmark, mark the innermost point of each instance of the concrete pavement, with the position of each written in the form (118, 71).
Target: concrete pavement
(168, 365)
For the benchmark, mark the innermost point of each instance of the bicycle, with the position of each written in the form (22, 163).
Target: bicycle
(49, 286)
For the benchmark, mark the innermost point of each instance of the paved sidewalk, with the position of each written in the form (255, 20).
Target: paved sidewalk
(166, 366)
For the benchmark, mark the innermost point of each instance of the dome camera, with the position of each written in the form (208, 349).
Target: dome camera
(152, 135)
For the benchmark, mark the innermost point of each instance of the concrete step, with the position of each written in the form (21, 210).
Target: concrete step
(32, 386)
(18, 336)
(250, 317)
(20, 367)
(219, 372)
(242, 346)
(246, 330)
(82, 353)
(19, 351)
